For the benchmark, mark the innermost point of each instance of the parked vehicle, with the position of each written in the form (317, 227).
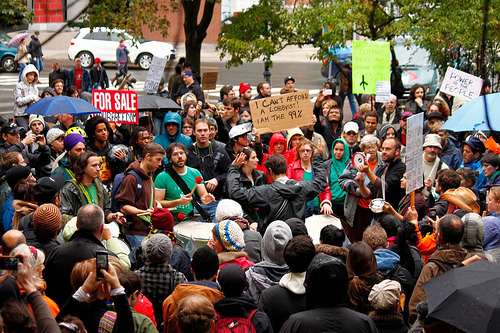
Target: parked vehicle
(7, 54)
(102, 43)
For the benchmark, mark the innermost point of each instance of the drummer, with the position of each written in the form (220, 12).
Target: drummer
(174, 197)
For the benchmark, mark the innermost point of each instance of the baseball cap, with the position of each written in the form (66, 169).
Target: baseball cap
(288, 78)
(351, 126)
(47, 188)
(188, 73)
(10, 128)
(240, 130)
(406, 114)
(37, 32)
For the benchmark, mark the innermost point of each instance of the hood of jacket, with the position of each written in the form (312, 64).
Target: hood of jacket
(290, 190)
(386, 259)
(235, 306)
(491, 232)
(29, 69)
(173, 117)
(291, 133)
(277, 235)
(136, 166)
(326, 282)
(332, 250)
(277, 137)
(343, 161)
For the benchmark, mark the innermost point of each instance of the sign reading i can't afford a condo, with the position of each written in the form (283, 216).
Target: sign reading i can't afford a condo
(118, 106)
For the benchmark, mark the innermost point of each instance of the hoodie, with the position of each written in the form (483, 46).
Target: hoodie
(386, 260)
(335, 169)
(289, 155)
(165, 139)
(269, 272)
(25, 93)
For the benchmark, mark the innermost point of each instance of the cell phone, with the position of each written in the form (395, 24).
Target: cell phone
(327, 92)
(38, 137)
(432, 213)
(101, 262)
(10, 262)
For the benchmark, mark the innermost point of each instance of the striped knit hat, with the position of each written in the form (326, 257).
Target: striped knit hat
(230, 235)
(47, 219)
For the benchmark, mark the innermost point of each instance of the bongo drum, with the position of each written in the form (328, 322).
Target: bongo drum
(315, 223)
(193, 234)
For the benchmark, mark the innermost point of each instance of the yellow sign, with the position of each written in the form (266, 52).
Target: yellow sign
(282, 112)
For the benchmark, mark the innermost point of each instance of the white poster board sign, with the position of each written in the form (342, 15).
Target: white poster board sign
(414, 154)
(154, 74)
(383, 92)
(461, 84)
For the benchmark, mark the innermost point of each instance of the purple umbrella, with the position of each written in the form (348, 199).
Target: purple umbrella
(18, 38)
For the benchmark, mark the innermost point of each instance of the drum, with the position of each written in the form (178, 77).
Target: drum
(123, 245)
(315, 223)
(193, 234)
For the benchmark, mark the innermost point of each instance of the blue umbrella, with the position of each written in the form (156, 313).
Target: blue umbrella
(472, 115)
(51, 106)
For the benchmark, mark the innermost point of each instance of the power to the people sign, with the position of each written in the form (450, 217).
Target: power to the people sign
(371, 63)
(118, 106)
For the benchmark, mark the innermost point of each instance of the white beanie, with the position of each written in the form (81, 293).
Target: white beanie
(53, 134)
(34, 117)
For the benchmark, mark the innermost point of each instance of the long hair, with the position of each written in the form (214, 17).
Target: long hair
(81, 164)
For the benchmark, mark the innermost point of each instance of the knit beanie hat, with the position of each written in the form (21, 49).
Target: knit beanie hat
(232, 280)
(53, 134)
(230, 235)
(47, 219)
(15, 174)
(385, 294)
(162, 219)
(36, 117)
(71, 140)
(244, 87)
(226, 208)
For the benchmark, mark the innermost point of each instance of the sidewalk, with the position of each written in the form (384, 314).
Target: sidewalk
(57, 48)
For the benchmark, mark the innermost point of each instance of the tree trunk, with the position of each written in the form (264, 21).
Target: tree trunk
(196, 33)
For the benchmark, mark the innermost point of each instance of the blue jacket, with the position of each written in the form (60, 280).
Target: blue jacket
(8, 213)
(477, 166)
(86, 80)
(165, 139)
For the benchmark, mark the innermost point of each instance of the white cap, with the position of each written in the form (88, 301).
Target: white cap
(240, 130)
(351, 126)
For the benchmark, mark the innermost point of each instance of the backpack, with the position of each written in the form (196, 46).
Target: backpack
(444, 266)
(117, 184)
(235, 324)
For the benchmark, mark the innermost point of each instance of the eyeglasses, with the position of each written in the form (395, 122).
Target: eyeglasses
(305, 151)
(351, 133)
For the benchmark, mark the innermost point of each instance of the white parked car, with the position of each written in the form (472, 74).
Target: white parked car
(102, 43)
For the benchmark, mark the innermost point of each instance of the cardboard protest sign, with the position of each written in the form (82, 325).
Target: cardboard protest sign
(282, 112)
(119, 106)
(371, 62)
(209, 80)
(155, 73)
(414, 154)
(461, 84)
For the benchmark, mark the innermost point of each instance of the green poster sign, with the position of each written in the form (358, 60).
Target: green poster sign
(371, 62)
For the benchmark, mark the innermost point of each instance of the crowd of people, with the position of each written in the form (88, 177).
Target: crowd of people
(74, 189)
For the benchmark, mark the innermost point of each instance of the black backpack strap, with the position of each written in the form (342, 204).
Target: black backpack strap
(185, 189)
(444, 266)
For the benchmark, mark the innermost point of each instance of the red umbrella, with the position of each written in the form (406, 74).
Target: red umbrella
(18, 38)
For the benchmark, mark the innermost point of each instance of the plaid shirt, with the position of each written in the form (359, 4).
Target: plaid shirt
(159, 281)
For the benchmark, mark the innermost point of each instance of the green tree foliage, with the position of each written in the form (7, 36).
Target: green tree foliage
(132, 15)
(14, 13)
(452, 32)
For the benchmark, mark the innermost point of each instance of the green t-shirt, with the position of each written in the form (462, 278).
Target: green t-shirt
(92, 192)
(173, 192)
(309, 176)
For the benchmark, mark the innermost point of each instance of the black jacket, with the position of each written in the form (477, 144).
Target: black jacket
(193, 88)
(95, 75)
(270, 199)
(393, 190)
(213, 165)
(241, 307)
(59, 264)
(35, 47)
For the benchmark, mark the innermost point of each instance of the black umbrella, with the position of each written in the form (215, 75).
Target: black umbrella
(467, 297)
(156, 103)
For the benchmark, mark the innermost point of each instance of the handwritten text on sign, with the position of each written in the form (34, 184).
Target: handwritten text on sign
(277, 113)
(413, 159)
(117, 105)
(371, 62)
(461, 84)
(155, 73)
